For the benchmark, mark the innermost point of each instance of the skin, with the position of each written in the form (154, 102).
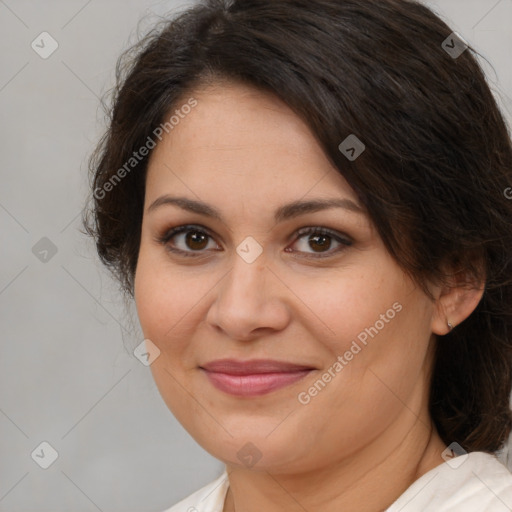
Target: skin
(363, 439)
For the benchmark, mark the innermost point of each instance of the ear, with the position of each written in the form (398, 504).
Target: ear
(455, 301)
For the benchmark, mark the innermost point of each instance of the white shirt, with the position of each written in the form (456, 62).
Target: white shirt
(476, 482)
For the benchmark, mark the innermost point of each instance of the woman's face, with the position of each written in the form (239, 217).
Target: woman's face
(265, 272)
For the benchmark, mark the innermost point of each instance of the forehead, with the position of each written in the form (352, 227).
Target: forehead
(240, 141)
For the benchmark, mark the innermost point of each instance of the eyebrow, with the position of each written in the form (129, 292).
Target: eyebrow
(285, 212)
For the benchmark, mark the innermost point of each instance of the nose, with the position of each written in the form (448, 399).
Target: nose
(250, 302)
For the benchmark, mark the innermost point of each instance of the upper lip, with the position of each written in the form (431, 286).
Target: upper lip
(251, 367)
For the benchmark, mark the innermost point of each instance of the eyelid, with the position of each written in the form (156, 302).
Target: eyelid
(341, 238)
(306, 230)
(344, 240)
(166, 236)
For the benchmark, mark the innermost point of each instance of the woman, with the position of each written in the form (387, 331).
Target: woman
(307, 202)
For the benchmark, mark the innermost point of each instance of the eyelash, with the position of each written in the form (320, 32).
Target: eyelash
(303, 232)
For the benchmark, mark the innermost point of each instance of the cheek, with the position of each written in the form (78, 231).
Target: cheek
(382, 340)
(160, 299)
(378, 325)
(165, 308)
(169, 303)
(344, 305)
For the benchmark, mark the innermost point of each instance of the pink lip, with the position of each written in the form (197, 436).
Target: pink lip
(253, 378)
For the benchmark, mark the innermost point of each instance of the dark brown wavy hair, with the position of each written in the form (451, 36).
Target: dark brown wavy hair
(434, 176)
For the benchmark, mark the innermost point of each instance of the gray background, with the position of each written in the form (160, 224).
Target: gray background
(67, 375)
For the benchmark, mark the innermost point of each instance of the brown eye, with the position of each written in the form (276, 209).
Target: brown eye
(319, 242)
(187, 240)
(196, 240)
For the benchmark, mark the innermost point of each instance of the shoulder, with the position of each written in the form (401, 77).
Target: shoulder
(476, 482)
(209, 498)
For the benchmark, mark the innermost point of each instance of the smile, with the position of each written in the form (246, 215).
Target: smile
(253, 378)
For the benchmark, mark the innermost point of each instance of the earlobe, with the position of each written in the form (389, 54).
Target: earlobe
(455, 302)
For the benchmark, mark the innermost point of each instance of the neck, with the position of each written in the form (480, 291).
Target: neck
(371, 479)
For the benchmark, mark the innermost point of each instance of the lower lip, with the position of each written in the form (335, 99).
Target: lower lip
(254, 385)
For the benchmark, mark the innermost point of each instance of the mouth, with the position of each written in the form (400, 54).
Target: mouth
(253, 378)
